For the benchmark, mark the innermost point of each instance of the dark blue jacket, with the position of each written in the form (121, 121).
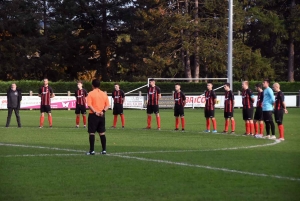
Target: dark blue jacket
(19, 98)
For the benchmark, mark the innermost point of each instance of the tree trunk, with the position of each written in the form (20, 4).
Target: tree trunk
(291, 63)
(187, 70)
(196, 54)
(102, 71)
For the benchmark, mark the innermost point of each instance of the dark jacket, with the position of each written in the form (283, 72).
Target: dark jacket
(19, 98)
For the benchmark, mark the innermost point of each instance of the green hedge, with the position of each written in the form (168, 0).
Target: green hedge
(166, 87)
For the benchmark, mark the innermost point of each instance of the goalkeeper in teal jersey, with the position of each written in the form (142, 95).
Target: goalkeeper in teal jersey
(267, 107)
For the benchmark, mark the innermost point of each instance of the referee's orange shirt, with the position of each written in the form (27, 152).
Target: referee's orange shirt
(98, 100)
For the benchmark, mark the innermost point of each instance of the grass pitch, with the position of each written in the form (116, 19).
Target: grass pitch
(50, 164)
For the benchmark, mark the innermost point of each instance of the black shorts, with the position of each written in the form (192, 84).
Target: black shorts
(80, 109)
(278, 114)
(45, 108)
(178, 111)
(152, 109)
(209, 113)
(118, 109)
(228, 115)
(267, 115)
(96, 124)
(247, 114)
(258, 115)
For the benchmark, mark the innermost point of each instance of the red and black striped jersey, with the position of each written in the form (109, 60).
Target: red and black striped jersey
(210, 97)
(81, 95)
(279, 99)
(179, 98)
(260, 98)
(45, 93)
(153, 94)
(247, 101)
(229, 101)
(118, 96)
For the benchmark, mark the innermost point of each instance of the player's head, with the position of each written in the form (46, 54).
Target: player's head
(245, 85)
(266, 83)
(227, 86)
(152, 82)
(95, 83)
(276, 87)
(258, 87)
(117, 86)
(177, 87)
(209, 86)
(46, 81)
(79, 84)
(13, 86)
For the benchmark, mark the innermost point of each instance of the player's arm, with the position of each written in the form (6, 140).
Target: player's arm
(123, 96)
(52, 95)
(233, 100)
(158, 93)
(106, 107)
(283, 103)
(40, 92)
(215, 98)
(251, 96)
(183, 100)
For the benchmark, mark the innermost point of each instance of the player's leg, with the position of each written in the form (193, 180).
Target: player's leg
(250, 117)
(115, 113)
(214, 121)
(181, 114)
(9, 112)
(176, 115)
(247, 132)
(77, 113)
(92, 128)
(272, 125)
(207, 118)
(278, 118)
(48, 107)
(149, 116)
(42, 117)
(83, 112)
(122, 116)
(101, 131)
(156, 111)
(18, 117)
(226, 117)
(232, 124)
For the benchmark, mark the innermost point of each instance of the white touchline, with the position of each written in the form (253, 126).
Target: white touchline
(206, 167)
(199, 150)
(38, 155)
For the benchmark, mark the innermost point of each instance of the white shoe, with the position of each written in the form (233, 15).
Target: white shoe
(77, 126)
(258, 136)
(90, 153)
(281, 139)
(267, 137)
(273, 137)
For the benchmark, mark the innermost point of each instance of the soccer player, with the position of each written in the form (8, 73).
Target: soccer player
(279, 109)
(46, 93)
(209, 112)
(267, 108)
(14, 98)
(154, 95)
(258, 115)
(119, 98)
(247, 101)
(80, 95)
(98, 104)
(180, 101)
(228, 108)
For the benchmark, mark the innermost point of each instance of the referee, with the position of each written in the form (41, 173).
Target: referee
(98, 104)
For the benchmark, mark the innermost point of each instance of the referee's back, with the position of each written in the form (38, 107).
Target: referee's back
(97, 99)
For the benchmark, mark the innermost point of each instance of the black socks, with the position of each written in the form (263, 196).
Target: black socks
(103, 142)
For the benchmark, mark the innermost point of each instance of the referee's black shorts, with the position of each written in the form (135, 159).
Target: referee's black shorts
(258, 115)
(228, 115)
(278, 114)
(209, 113)
(247, 114)
(178, 111)
(45, 108)
(152, 109)
(80, 109)
(118, 109)
(96, 123)
(268, 115)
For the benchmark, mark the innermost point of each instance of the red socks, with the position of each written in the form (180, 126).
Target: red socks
(182, 122)
(252, 128)
(84, 119)
(207, 124)
(176, 122)
(122, 120)
(261, 128)
(214, 124)
(42, 121)
(158, 121)
(149, 119)
(256, 128)
(77, 120)
(50, 119)
(226, 124)
(281, 131)
(232, 125)
(247, 125)
(115, 120)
